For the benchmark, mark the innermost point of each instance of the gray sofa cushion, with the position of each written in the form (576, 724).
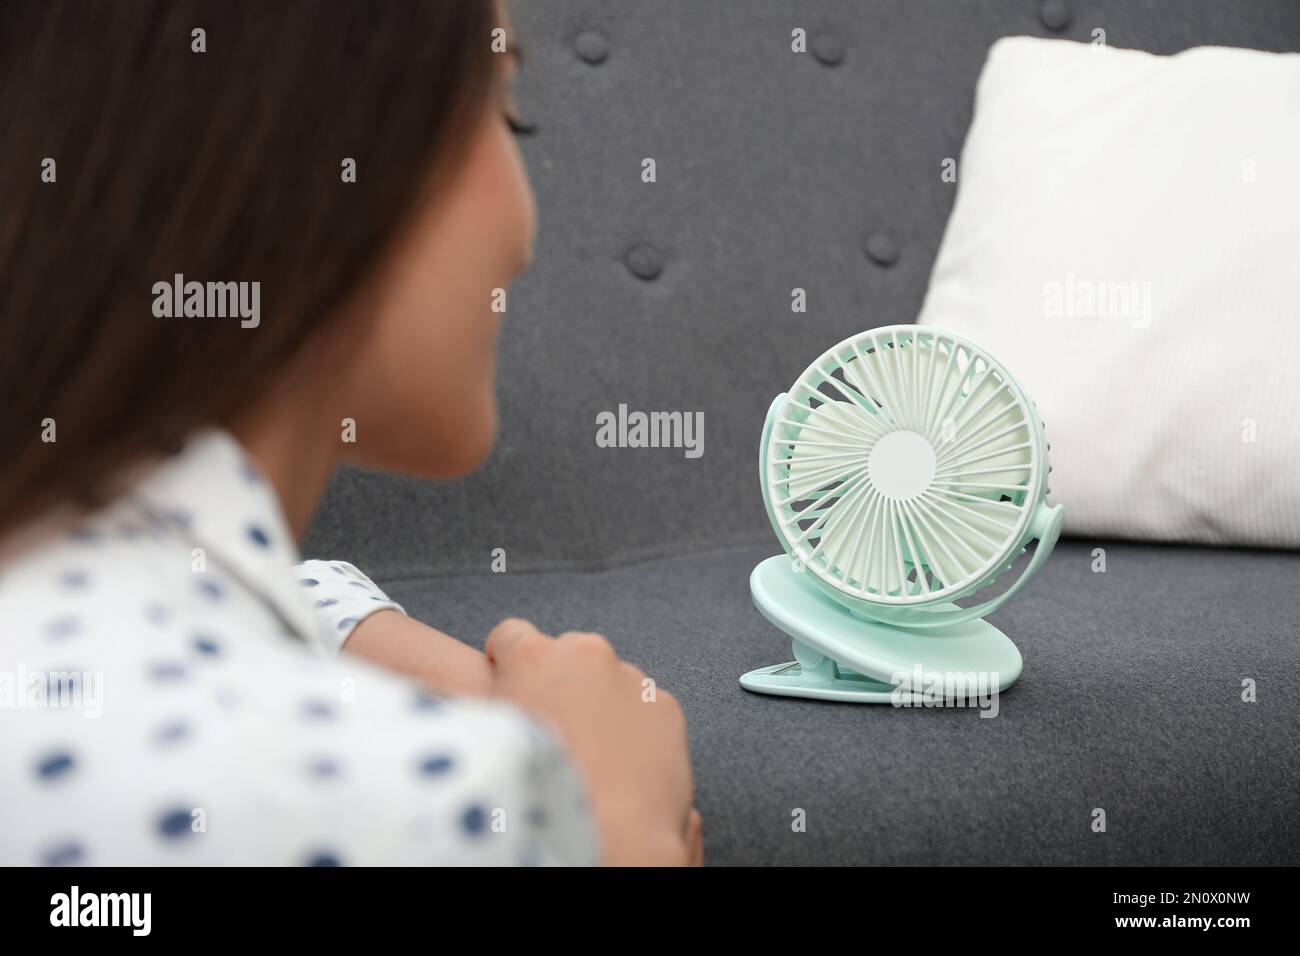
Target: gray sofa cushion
(1130, 701)
(818, 171)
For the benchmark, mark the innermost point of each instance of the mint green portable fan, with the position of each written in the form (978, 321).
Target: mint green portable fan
(904, 471)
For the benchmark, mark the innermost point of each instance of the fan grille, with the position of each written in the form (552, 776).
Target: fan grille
(904, 466)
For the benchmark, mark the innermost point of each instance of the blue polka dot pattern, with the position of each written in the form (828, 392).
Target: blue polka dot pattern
(75, 579)
(474, 820)
(63, 627)
(436, 766)
(426, 700)
(344, 595)
(206, 646)
(68, 853)
(324, 859)
(168, 671)
(171, 733)
(259, 537)
(176, 823)
(55, 766)
(157, 614)
(318, 710)
(324, 768)
(210, 589)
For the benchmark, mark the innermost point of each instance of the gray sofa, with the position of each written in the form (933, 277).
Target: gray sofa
(820, 171)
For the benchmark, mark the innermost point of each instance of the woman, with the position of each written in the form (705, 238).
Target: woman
(334, 194)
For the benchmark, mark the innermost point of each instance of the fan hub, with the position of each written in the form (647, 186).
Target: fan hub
(901, 465)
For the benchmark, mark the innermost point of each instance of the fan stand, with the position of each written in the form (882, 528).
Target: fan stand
(840, 656)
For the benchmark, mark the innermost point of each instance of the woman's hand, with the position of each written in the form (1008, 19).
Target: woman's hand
(627, 738)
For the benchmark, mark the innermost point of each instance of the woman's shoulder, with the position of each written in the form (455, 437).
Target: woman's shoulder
(154, 713)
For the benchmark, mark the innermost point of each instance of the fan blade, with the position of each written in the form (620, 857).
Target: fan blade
(863, 373)
(855, 567)
(813, 464)
(973, 530)
(842, 533)
(908, 382)
(984, 440)
(882, 545)
(940, 381)
(936, 552)
(876, 375)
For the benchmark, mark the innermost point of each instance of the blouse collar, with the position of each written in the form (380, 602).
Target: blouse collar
(213, 493)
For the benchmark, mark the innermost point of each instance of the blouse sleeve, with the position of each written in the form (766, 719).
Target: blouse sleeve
(341, 598)
(453, 781)
(436, 780)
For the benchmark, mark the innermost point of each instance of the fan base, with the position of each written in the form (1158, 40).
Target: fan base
(842, 657)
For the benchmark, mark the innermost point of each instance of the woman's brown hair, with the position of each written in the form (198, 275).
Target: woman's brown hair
(134, 148)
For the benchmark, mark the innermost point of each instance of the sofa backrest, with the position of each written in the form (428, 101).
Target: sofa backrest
(775, 171)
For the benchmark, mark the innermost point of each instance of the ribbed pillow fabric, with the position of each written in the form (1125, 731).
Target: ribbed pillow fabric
(1126, 240)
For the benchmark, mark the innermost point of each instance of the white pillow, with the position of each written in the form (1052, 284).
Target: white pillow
(1126, 240)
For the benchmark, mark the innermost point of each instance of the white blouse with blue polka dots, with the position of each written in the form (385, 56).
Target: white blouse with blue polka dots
(171, 693)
